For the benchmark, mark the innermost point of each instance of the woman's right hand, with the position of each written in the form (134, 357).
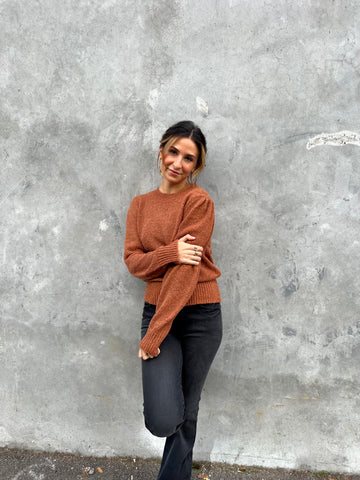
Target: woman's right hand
(188, 253)
(142, 354)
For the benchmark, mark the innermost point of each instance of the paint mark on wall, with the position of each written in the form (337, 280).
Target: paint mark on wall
(153, 98)
(202, 106)
(337, 139)
(103, 226)
(39, 286)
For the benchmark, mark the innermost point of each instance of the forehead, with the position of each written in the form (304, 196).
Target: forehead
(186, 145)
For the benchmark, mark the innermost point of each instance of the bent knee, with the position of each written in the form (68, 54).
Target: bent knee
(162, 427)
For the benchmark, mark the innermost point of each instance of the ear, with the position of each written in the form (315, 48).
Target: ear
(160, 153)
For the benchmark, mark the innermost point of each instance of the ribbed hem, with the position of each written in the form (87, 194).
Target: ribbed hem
(205, 292)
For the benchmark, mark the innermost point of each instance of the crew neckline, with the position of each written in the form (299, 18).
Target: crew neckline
(190, 187)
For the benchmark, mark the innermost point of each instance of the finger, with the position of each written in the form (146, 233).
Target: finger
(195, 248)
(193, 255)
(192, 262)
(186, 237)
(143, 354)
(195, 258)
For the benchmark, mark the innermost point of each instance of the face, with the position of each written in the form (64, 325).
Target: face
(178, 163)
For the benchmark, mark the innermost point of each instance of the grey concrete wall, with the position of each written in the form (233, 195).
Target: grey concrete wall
(86, 90)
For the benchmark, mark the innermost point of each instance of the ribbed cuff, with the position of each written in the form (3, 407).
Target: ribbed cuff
(168, 254)
(150, 344)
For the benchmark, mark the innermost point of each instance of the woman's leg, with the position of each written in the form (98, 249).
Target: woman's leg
(199, 328)
(162, 384)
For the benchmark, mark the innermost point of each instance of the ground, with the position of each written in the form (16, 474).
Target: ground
(26, 465)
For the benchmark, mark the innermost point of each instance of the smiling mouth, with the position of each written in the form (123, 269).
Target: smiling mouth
(173, 173)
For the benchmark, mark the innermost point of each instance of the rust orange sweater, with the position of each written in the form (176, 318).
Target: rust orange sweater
(155, 222)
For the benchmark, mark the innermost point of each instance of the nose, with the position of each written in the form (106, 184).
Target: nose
(177, 161)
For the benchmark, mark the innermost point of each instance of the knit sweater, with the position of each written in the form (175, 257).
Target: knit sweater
(155, 222)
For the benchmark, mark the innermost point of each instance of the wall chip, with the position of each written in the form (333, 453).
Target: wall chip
(337, 139)
(202, 106)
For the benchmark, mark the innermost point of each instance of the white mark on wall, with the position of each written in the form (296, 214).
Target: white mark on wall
(153, 99)
(337, 139)
(202, 106)
(235, 3)
(325, 227)
(107, 4)
(319, 309)
(39, 286)
(103, 226)
(56, 230)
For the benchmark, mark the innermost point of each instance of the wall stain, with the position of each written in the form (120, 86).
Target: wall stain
(291, 287)
(289, 332)
(115, 222)
(321, 273)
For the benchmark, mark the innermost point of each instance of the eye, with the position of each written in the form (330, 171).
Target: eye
(189, 159)
(172, 151)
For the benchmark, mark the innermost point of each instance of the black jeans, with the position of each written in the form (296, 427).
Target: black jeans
(173, 381)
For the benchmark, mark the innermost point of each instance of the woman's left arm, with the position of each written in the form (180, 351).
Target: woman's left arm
(179, 281)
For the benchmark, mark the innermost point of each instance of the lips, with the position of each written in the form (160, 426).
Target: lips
(176, 174)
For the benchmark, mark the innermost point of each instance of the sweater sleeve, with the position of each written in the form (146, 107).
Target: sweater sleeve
(142, 264)
(179, 281)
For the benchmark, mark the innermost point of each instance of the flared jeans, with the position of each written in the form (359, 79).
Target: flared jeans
(173, 381)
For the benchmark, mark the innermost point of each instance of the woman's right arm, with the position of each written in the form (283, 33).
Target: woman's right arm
(150, 265)
(142, 264)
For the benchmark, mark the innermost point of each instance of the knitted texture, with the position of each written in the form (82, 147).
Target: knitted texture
(155, 222)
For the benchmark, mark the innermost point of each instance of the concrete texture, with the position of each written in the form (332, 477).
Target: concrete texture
(86, 90)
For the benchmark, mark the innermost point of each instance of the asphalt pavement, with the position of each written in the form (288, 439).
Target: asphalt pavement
(29, 465)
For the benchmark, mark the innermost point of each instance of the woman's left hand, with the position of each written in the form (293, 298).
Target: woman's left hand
(144, 355)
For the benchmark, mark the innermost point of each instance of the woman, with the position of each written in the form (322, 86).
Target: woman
(168, 245)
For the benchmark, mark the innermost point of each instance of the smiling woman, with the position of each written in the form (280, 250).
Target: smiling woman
(168, 245)
(192, 147)
(178, 163)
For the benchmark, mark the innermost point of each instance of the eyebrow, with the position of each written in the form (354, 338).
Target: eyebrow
(187, 155)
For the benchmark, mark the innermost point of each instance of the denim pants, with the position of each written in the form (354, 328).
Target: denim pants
(173, 381)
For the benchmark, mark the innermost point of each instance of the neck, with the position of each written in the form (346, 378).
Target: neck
(165, 187)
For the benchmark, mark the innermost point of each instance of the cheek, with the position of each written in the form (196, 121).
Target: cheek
(167, 161)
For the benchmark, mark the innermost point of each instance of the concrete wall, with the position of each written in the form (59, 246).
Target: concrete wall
(86, 90)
